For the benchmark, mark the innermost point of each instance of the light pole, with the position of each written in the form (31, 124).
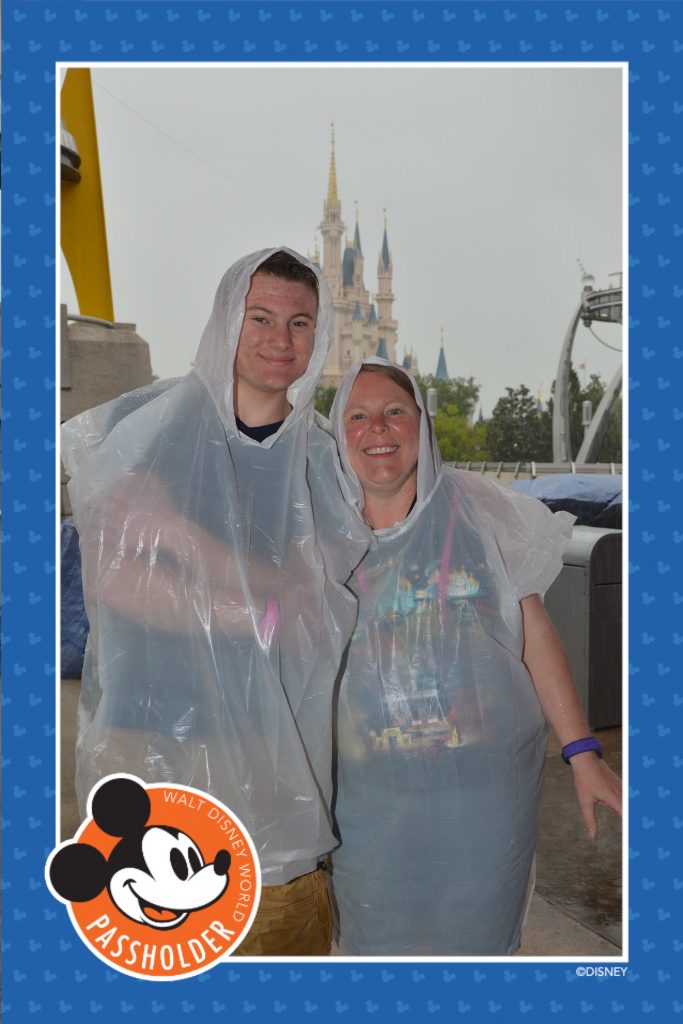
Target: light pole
(586, 416)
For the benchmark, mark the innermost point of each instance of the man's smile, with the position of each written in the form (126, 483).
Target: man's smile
(278, 360)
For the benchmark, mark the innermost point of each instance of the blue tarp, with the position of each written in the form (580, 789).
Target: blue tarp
(594, 498)
(74, 621)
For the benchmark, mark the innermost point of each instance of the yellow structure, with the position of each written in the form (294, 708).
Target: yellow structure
(83, 229)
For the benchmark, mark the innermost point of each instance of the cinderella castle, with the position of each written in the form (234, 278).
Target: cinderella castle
(364, 325)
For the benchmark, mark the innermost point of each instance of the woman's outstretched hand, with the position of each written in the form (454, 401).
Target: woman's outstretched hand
(548, 666)
(595, 784)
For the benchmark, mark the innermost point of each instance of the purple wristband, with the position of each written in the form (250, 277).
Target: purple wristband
(579, 746)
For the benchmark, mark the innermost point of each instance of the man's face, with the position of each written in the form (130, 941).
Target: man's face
(276, 340)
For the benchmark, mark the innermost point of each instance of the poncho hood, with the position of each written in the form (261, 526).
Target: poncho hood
(218, 345)
(213, 366)
(429, 459)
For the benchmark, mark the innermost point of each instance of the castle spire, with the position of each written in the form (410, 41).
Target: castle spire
(332, 229)
(356, 235)
(384, 255)
(332, 194)
(385, 296)
(315, 256)
(441, 371)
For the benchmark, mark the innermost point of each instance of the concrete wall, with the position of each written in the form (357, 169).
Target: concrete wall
(98, 364)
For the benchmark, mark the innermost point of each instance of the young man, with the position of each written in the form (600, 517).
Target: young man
(215, 549)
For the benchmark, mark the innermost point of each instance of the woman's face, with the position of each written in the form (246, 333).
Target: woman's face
(382, 433)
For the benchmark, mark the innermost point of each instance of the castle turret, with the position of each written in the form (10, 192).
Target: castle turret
(352, 266)
(359, 264)
(363, 325)
(441, 371)
(332, 229)
(314, 256)
(385, 297)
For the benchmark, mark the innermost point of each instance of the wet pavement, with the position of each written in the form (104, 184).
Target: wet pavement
(576, 909)
(575, 874)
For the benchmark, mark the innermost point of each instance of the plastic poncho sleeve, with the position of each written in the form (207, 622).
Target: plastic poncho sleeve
(530, 537)
(81, 436)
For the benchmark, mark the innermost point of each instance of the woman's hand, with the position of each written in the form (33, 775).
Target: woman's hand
(595, 783)
(545, 658)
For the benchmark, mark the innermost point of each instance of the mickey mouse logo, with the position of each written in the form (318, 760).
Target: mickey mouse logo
(155, 874)
(153, 864)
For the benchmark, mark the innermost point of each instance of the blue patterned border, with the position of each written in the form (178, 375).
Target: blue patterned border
(48, 974)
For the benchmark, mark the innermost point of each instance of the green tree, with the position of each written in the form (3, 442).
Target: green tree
(455, 400)
(458, 442)
(460, 392)
(609, 449)
(324, 397)
(514, 433)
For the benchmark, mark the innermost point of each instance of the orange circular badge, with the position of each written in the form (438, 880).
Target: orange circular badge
(161, 881)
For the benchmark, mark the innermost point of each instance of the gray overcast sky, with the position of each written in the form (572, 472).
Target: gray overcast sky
(495, 181)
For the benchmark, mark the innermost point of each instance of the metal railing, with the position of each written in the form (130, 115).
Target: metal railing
(530, 470)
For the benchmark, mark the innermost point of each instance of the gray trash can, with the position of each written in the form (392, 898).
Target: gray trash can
(584, 603)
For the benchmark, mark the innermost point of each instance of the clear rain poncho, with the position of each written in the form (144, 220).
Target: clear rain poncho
(214, 572)
(441, 737)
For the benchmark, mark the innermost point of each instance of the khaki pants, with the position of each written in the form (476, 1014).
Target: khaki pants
(292, 919)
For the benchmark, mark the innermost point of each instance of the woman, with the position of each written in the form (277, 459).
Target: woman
(452, 671)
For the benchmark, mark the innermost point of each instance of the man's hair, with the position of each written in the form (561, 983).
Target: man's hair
(281, 264)
(393, 373)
